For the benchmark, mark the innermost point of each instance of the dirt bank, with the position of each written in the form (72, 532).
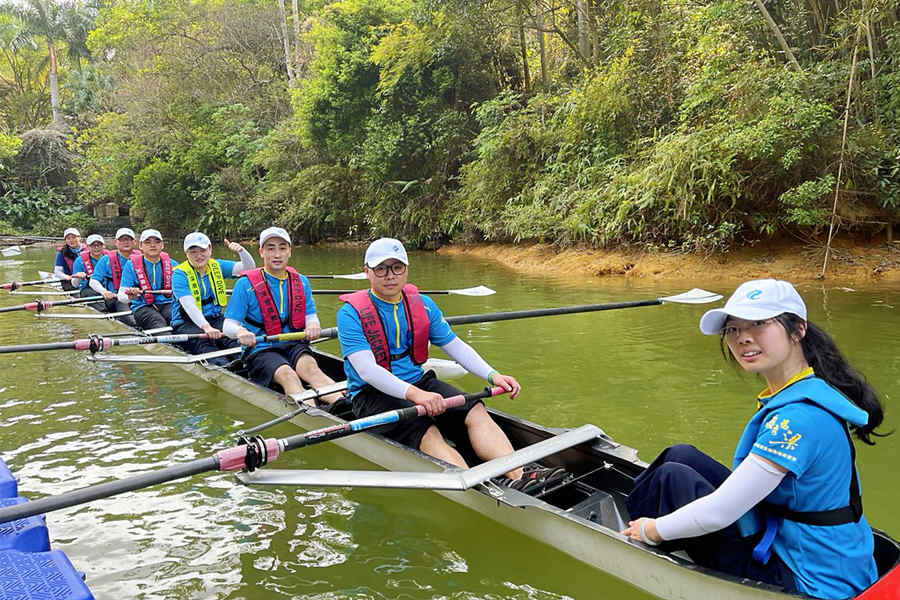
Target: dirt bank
(849, 261)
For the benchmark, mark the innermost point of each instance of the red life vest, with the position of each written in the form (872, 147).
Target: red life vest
(137, 261)
(88, 263)
(69, 257)
(416, 319)
(115, 267)
(272, 323)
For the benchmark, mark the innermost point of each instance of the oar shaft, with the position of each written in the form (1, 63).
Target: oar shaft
(40, 305)
(14, 285)
(106, 490)
(394, 416)
(36, 347)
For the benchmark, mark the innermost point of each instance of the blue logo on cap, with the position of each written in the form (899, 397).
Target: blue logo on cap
(754, 294)
(396, 248)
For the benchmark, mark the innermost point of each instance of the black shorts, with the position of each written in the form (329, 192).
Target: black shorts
(263, 364)
(451, 423)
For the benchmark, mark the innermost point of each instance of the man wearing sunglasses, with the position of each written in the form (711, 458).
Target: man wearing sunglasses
(384, 334)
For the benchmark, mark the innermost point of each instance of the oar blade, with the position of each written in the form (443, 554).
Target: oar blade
(694, 296)
(478, 290)
(351, 276)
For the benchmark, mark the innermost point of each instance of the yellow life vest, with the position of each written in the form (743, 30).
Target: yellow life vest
(220, 296)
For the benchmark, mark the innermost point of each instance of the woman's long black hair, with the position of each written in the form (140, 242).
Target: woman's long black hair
(828, 363)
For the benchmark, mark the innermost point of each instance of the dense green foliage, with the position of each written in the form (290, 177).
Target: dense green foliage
(676, 125)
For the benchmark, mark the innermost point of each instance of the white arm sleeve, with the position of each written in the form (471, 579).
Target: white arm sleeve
(189, 306)
(231, 328)
(246, 263)
(465, 355)
(313, 319)
(122, 296)
(751, 482)
(377, 376)
(96, 285)
(59, 273)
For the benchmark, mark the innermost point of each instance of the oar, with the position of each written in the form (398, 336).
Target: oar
(14, 285)
(196, 358)
(472, 291)
(254, 453)
(348, 276)
(694, 296)
(96, 343)
(41, 305)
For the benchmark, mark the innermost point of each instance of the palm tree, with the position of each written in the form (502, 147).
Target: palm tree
(55, 22)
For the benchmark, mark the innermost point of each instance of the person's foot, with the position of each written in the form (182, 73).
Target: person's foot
(533, 478)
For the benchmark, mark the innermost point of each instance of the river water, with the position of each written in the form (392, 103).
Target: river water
(645, 375)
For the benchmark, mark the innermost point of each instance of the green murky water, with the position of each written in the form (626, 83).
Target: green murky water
(645, 375)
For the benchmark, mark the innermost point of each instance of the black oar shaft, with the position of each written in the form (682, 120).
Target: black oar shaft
(36, 347)
(40, 305)
(335, 292)
(106, 490)
(543, 312)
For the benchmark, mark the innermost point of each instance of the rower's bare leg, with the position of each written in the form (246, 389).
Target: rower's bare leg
(287, 378)
(434, 444)
(487, 439)
(309, 371)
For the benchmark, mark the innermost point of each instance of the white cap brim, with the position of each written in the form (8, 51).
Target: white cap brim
(374, 262)
(71, 231)
(94, 238)
(712, 322)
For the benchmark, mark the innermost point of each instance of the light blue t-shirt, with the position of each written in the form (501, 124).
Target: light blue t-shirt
(103, 271)
(78, 267)
(181, 288)
(828, 561)
(353, 339)
(243, 305)
(154, 275)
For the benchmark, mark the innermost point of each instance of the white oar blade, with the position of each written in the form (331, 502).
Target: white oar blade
(694, 296)
(11, 251)
(351, 276)
(478, 290)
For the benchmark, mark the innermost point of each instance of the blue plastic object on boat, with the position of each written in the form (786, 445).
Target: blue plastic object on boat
(40, 576)
(27, 535)
(9, 488)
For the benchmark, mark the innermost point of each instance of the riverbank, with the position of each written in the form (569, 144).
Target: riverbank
(849, 262)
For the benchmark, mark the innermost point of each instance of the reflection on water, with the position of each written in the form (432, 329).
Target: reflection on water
(645, 375)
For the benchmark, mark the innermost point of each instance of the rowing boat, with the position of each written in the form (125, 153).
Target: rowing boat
(580, 515)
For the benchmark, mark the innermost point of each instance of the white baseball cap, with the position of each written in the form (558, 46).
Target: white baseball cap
(148, 233)
(196, 239)
(273, 232)
(94, 238)
(384, 248)
(71, 230)
(755, 300)
(123, 231)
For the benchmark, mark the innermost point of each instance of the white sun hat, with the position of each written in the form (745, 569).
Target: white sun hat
(384, 248)
(273, 232)
(755, 300)
(196, 238)
(71, 230)
(149, 233)
(123, 231)
(94, 238)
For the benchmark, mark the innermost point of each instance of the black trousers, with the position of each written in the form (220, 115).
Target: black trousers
(680, 475)
(153, 316)
(202, 346)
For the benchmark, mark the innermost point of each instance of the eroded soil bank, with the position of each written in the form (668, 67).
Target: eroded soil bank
(850, 262)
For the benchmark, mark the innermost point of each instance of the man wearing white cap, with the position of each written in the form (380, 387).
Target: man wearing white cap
(65, 257)
(84, 265)
(384, 334)
(107, 275)
(147, 282)
(271, 300)
(198, 286)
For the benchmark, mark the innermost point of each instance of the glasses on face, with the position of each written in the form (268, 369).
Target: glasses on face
(398, 268)
(733, 332)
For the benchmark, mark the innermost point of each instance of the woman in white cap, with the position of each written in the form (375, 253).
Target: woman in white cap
(107, 275)
(198, 286)
(147, 282)
(790, 513)
(85, 264)
(65, 257)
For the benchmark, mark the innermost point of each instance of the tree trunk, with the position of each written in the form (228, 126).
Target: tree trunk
(296, 37)
(526, 76)
(54, 83)
(581, 20)
(539, 18)
(778, 36)
(287, 48)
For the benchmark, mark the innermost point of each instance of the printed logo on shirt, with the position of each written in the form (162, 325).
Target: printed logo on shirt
(788, 439)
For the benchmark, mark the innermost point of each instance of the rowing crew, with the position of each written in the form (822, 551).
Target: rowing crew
(384, 332)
